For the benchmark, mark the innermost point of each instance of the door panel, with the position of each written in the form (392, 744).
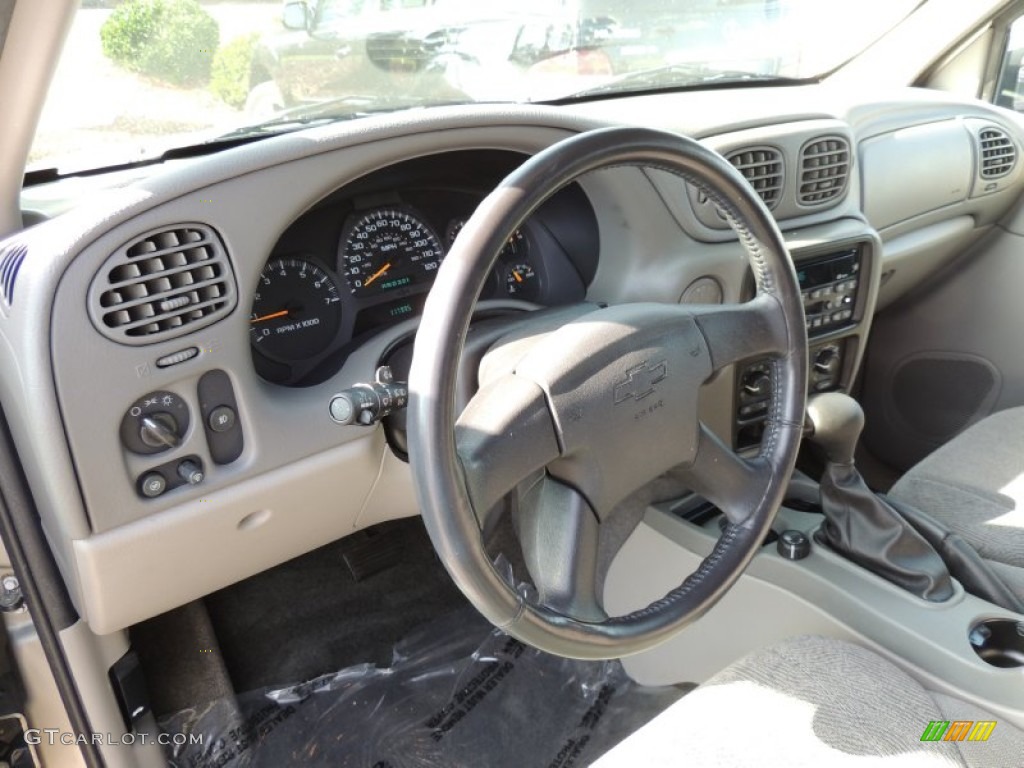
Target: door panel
(949, 353)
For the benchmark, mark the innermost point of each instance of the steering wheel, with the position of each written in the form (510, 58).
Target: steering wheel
(575, 413)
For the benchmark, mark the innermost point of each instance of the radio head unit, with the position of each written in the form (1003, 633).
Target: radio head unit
(829, 285)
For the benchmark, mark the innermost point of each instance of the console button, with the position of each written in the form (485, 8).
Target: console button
(793, 545)
(222, 418)
(753, 408)
(191, 472)
(152, 484)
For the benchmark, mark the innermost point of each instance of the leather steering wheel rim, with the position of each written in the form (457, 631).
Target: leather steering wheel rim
(447, 479)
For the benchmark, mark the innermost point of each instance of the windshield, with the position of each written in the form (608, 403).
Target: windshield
(139, 77)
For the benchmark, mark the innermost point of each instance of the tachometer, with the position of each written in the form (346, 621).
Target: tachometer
(296, 311)
(388, 249)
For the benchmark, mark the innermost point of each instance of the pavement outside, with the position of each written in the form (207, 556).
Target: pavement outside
(97, 113)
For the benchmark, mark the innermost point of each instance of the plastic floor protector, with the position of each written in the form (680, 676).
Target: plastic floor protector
(457, 693)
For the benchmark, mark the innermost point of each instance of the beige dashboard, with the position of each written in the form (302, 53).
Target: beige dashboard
(294, 478)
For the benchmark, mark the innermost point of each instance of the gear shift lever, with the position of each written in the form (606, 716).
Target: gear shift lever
(837, 421)
(858, 523)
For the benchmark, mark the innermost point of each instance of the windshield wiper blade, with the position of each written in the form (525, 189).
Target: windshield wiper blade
(677, 77)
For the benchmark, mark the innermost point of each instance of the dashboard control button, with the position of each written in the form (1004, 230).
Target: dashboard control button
(191, 472)
(154, 423)
(827, 361)
(152, 484)
(342, 408)
(793, 545)
(758, 384)
(159, 430)
(178, 357)
(754, 408)
(11, 596)
(222, 418)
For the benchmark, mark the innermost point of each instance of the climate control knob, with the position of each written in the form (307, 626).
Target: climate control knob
(756, 383)
(826, 362)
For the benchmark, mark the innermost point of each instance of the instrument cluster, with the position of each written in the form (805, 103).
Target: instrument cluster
(349, 269)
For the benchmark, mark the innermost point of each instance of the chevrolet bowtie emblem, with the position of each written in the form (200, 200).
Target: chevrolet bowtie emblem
(640, 381)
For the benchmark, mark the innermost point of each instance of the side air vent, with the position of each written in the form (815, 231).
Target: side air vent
(762, 167)
(11, 258)
(164, 284)
(998, 155)
(824, 170)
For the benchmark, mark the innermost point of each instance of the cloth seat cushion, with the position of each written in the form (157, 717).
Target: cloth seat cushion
(975, 485)
(813, 702)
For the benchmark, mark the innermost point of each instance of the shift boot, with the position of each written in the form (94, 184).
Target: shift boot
(858, 523)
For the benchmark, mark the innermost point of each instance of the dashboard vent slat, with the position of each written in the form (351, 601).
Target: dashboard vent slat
(763, 168)
(996, 152)
(824, 170)
(11, 259)
(164, 284)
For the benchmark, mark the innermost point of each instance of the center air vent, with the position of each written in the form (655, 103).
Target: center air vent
(762, 167)
(824, 170)
(998, 155)
(166, 283)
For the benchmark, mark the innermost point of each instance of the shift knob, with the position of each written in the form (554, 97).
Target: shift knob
(836, 420)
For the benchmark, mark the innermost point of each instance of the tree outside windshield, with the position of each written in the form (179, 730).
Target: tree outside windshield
(138, 77)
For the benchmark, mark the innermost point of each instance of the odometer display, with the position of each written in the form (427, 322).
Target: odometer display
(386, 250)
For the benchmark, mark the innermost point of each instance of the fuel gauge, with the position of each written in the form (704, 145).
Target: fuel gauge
(522, 282)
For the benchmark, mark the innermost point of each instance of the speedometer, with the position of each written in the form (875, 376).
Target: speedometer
(388, 249)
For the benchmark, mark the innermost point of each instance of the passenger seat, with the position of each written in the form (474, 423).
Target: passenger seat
(975, 485)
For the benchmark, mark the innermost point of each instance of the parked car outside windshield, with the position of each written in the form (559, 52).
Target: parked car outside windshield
(192, 71)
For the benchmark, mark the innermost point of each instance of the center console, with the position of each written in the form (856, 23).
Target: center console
(834, 306)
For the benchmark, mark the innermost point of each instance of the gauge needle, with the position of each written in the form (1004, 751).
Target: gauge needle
(377, 274)
(517, 276)
(271, 316)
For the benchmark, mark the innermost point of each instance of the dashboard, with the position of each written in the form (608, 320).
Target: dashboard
(176, 342)
(365, 257)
